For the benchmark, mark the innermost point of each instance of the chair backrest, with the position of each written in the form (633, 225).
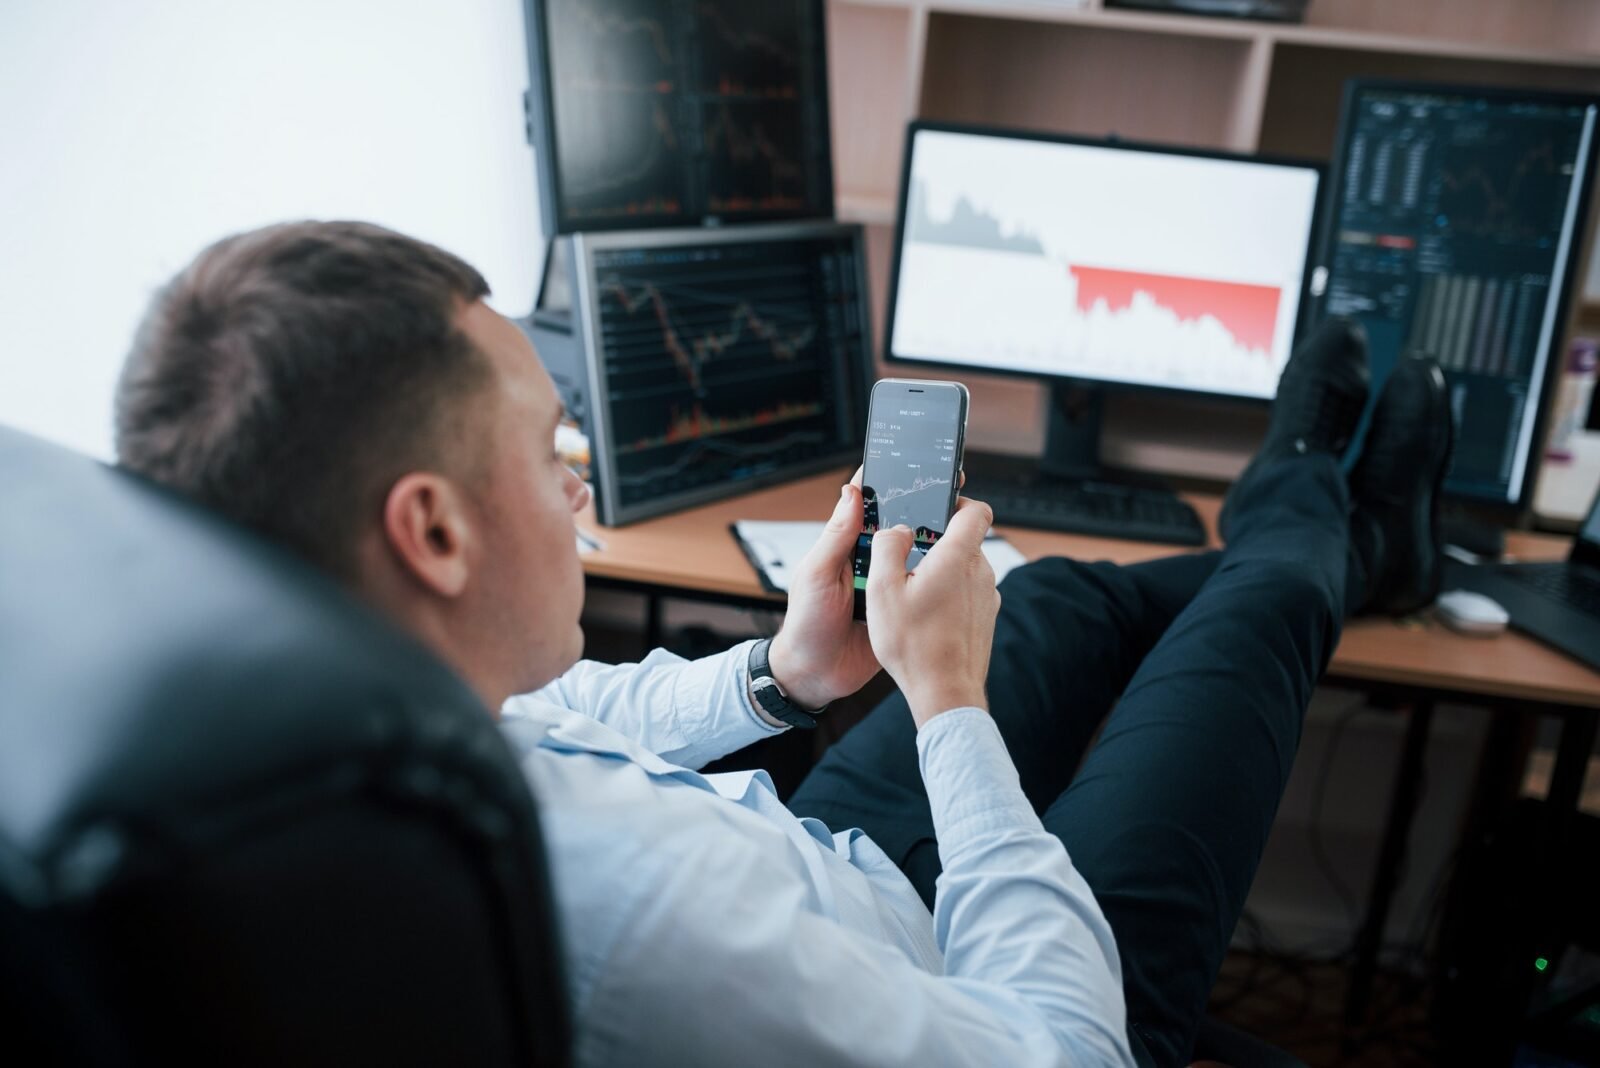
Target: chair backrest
(241, 817)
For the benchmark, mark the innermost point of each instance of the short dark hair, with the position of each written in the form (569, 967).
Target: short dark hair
(290, 374)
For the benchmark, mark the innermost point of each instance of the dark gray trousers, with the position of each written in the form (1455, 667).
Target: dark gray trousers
(1205, 664)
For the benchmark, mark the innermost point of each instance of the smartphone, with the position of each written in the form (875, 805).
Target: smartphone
(911, 472)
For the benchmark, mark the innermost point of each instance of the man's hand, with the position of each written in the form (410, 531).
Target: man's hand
(932, 628)
(821, 653)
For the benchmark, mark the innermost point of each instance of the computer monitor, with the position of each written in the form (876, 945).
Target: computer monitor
(720, 360)
(1100, 263)
(651, 113)
(1455, 223)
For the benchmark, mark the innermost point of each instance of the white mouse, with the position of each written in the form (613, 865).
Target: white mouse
(1471, 613)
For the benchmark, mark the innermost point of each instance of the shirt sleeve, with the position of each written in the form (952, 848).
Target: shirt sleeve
(1009, 907)
(689, 712)
(1031, 973)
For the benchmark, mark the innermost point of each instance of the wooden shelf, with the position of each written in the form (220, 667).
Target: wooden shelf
(1180, 79)
(1184, 79)
(1079, 77)
(1557, 53)
(1022, 10)
(873, 209)
(1137, 21)
(1368, 41)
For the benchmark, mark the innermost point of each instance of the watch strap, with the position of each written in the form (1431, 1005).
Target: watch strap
(770, 696)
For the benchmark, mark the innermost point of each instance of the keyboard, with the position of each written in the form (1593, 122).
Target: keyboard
(1099, 509)
(1570, 585)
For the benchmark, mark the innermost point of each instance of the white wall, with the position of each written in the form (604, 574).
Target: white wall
(133, 134)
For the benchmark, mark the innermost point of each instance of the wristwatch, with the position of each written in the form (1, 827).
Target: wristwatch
(770, 696)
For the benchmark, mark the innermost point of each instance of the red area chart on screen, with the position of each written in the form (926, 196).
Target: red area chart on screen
(1248, 312)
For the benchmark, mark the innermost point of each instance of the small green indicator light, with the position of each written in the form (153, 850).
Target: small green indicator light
(1541, 964)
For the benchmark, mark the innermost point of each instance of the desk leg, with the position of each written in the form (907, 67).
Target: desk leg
(1396, 832)
(1578, 729)
(1502, 766)
(652, 622)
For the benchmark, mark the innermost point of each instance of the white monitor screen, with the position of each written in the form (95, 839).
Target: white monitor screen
(1101, 263)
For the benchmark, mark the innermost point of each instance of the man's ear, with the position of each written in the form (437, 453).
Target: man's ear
(427, 528)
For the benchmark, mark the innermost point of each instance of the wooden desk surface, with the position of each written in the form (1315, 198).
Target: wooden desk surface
(694, 552)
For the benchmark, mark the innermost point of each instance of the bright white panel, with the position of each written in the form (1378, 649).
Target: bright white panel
(1100, 263)
(135, 134)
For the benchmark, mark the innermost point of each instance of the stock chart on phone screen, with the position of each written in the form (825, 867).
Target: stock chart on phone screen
(674, 110)
(726, 361)
(910, 467)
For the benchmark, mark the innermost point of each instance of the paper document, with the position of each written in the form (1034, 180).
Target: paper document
(774, 549)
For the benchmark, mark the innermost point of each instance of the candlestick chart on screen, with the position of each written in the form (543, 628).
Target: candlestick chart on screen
(675, 110)
(719, 366)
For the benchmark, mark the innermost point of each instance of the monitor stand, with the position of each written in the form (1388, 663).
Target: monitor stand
(1065, 488)
(553, 329)
(553, 305)
(1071, 444)
(1472, 531)
(1072, 433)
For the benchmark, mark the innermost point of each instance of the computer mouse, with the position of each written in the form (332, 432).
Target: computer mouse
(1471, 613)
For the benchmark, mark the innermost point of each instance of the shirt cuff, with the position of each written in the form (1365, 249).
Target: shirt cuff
(972, 784)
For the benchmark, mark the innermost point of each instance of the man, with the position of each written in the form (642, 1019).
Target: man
(345, 390)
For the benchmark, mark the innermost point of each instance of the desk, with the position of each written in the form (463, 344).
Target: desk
(692, 554)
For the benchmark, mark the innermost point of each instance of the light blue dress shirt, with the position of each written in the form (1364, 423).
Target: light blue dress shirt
(704, 924)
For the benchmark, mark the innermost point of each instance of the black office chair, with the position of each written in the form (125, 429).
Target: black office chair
(242, 820)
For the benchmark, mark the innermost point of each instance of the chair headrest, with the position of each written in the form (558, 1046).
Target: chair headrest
(205, 743)
(156, 660)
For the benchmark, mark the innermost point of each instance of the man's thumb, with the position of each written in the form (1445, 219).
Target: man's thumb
(890, 547)
(846, 515)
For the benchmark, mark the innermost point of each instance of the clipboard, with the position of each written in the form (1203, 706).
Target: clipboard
(774, 548)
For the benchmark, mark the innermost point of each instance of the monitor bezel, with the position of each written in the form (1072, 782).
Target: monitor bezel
(1022, 134)
(539, 106)
(610, 511)
(1500, 507)
(1583, 550)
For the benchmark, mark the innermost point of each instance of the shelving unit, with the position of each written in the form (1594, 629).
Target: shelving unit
(1081, 68)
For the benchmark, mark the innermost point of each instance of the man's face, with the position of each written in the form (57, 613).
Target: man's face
(529, 582)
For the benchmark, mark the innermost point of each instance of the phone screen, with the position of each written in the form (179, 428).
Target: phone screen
(910, 472)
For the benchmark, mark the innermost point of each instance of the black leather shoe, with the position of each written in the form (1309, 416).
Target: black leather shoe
(1321, 395)
(1395, 487)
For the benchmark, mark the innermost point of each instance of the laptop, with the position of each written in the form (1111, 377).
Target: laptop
(1558, 603)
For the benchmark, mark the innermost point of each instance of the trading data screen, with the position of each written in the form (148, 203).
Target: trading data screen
(668, 112)
(1453, 233)
(1102, 263)
(727, 361)
(909, 468)
(1591, 526)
